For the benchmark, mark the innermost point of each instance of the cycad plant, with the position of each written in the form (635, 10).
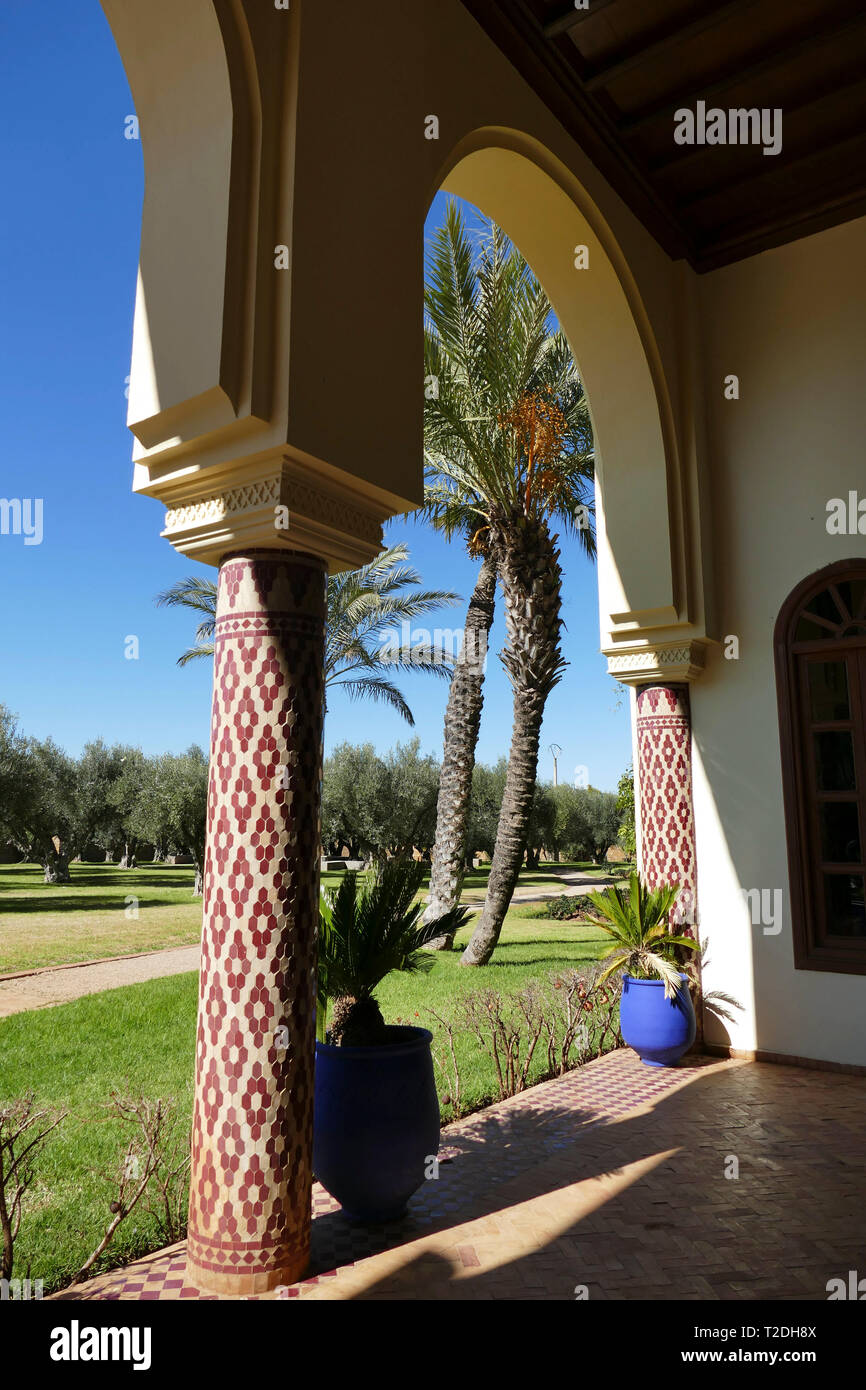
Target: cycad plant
(509, 454)
(366, 931)
(362, 606)
(636, 919)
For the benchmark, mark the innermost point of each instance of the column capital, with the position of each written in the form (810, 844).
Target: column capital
(275, 502)
(662, 663)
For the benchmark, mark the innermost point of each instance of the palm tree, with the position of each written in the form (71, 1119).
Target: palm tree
(363, 607)
(462, 722)
(508, 449)
(642, 945)
(364, 933)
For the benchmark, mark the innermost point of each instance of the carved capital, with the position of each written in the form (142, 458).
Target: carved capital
(682, 661)
(274, 502)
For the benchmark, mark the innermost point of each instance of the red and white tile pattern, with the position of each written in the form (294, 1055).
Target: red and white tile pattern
(251, 1181)
(664, 791)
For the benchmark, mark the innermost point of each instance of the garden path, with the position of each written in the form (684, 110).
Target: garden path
(41, 989)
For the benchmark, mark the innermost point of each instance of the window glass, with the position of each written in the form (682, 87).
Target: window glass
(828, 691)
(834, 760)
(823, 605)
(840, 832)
(853, 594)
(846, 911)
(821, 670)
(812, 632)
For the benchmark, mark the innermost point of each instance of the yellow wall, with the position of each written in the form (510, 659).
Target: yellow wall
(791, 323)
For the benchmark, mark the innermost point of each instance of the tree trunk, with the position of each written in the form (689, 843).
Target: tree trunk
(56, 868)
(462, 721)
(198, 886)
(528, 564)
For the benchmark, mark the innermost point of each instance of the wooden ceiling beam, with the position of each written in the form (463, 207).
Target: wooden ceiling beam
(787, 224)
(757, 176)
(687, 96)
(651, 47)
(553, 76)
(814, 198)
(569, 17)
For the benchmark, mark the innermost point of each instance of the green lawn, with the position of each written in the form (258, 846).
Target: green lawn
(93, 916)
(141, 1039)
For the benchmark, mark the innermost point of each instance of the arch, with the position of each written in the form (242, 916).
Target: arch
(820, 656)
(208, 92)
(545, 211)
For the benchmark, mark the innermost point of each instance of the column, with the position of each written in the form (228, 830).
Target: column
(663, 788)
(251, 1177)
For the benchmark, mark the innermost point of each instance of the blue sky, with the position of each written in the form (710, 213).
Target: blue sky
(68, 251)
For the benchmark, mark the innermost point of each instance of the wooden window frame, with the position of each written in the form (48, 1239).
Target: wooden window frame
(811, 952)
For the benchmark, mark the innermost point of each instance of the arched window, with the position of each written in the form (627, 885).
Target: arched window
(821, 679)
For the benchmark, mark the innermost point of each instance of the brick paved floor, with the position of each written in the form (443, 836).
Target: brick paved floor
(613, 1180)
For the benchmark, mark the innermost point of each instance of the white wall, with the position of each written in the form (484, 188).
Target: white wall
(791, 323)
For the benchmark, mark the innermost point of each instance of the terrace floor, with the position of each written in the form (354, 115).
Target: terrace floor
(616, 1181)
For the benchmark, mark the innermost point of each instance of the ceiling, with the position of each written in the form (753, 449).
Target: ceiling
(614, 74)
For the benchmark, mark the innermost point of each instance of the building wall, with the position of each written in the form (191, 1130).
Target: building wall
(791, 323)
(321, 363)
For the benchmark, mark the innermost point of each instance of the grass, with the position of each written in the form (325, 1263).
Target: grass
(90, 918)
(87, 919)
(140, 1039)
(475, 882)
(530, 948)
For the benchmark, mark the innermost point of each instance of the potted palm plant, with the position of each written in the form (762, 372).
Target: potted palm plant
(657, 1018)
(376, 1109)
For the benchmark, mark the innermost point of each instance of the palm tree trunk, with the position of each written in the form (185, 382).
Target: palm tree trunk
(462, 721)
(528, 564)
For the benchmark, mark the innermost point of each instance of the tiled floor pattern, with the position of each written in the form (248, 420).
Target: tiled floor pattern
(714, 1180)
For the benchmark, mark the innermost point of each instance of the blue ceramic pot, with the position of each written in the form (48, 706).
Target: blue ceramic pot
(660, 1030)
(376, 1123)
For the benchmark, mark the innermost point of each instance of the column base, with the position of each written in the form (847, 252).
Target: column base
(240, 1284)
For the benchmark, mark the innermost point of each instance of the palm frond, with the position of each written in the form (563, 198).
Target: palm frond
(193, 653)
(368, 932)
(489, 345)
(362, 605)
(380, 690)
(636, 918)
(196, 592)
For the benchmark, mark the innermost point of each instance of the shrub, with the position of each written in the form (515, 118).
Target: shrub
(566, 909)
(568, 1019)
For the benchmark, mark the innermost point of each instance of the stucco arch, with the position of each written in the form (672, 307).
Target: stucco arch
(238, 363)
(205, 79)
(548, 215)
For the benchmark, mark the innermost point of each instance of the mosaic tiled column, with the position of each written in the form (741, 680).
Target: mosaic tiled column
(664, 792)
(251, 1179)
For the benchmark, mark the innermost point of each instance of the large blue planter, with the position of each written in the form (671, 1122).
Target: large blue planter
(660, 1030)
(376, 1123)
